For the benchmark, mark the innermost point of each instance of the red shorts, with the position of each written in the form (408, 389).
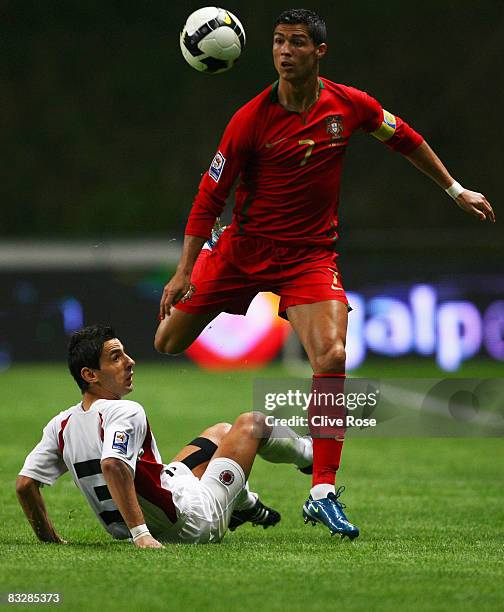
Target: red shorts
(227, 278)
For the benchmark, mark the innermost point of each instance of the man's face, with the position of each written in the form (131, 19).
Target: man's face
(295, 55)
(115, 376)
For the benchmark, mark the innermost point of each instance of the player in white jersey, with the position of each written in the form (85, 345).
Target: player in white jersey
(106, 443)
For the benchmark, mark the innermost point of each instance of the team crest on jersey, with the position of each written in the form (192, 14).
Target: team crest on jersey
(217, 166)
(334, 125)
(120, 443)
(227, 477)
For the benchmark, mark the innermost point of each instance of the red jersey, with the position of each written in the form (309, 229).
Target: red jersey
(290, 164)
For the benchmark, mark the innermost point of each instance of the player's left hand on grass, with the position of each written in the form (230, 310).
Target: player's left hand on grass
(476, 204)
(147, 541)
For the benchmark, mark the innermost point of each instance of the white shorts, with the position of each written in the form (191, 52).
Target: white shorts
(204, 506)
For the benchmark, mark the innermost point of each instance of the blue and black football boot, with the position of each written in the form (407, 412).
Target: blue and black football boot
(329, 512)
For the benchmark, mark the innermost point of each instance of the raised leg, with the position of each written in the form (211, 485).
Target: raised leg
(178, 331)
(215, 434)
(242, 441)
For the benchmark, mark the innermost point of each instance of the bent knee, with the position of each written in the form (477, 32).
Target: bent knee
(217, 432)
(251, 423)
(332, 360)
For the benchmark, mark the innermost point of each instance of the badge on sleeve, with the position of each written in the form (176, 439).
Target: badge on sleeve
(120, 443)
(217, 166)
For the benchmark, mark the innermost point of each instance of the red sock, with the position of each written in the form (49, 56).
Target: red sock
(326, 460)
(326, 448)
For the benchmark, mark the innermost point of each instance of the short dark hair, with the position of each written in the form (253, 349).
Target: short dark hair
(85, 349)
(315, 24)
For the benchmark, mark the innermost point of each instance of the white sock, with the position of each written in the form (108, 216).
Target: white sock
(246, 498)
(321, 490)
(285, 446)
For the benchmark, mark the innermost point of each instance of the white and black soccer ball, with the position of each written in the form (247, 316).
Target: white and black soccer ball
(212, 40)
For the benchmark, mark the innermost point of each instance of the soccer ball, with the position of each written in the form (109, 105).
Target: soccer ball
(212, 40)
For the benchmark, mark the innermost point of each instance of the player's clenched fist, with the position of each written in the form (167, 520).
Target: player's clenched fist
(147, 541)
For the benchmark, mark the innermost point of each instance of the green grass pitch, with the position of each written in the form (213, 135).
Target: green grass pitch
(430, 513)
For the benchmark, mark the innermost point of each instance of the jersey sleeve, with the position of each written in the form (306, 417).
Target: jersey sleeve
(234, 149)
(383, 125)
(45, 462)
(124, 430)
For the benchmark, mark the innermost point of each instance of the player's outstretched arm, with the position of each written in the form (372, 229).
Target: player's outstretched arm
(32, 502)
(472, 202)
(180, 282)
(122, 488)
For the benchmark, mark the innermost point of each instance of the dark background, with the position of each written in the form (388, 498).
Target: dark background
(104, 130)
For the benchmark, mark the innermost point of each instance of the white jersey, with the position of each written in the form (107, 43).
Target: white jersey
(77, 441)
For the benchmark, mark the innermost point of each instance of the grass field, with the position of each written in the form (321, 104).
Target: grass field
(430, 512)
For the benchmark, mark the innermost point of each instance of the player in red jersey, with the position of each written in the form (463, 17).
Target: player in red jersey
(287, 147)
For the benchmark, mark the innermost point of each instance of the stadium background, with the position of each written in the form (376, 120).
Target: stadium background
(105, 132)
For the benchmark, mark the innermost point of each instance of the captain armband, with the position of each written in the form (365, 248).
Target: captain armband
(387, 128)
